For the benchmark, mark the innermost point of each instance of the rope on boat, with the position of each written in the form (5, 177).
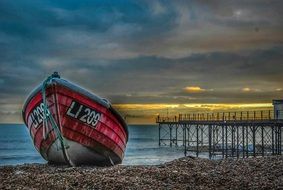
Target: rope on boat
(48, 116)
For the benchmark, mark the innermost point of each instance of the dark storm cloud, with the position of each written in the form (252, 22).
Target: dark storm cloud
(32, 32)
(144, 51)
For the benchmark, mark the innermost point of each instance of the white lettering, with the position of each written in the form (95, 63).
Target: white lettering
(83, 118)
(69, 110)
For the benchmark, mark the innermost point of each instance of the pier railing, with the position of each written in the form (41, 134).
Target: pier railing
(223, 116)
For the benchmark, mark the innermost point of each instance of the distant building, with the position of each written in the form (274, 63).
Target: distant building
(278, 109)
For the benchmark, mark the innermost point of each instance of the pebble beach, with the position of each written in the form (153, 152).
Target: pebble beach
(183, 173)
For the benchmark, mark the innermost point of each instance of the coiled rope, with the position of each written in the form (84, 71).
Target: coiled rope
(48, 116)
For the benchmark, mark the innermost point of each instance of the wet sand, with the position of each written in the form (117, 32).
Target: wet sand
(183, 173)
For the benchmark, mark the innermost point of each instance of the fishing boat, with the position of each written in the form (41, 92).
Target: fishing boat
(70, 125)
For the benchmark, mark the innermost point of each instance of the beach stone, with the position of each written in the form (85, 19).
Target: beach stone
(183, 173)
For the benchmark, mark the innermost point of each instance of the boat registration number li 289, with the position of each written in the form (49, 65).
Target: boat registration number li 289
(83, 113)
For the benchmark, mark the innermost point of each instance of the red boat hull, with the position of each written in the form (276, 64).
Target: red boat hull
(93, 132)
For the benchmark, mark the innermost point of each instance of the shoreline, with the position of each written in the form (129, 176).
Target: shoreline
(183, 173)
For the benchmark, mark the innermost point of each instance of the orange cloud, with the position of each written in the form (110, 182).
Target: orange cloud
(194, 89)
(246, 89)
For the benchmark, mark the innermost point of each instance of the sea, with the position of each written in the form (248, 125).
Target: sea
(16, 146)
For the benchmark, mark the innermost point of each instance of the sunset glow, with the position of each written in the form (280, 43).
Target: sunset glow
(147, 113)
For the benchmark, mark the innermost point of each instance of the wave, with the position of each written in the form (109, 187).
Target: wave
(19, 157)
(155, 148)
(143, 139)
(15, 141)
(14, 148)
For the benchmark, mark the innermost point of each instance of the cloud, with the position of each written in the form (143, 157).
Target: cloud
(194, 89)
(246, 89)
(149, 50)
(146, 78)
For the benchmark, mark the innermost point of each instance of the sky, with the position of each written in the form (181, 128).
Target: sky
(146, 57)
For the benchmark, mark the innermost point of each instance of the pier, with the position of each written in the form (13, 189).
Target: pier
(225, 134)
